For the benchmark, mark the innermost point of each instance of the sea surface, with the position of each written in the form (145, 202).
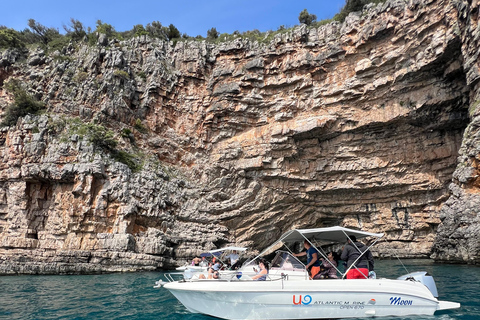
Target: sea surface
(132, 296)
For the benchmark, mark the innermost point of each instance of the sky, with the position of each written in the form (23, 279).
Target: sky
(193, 17)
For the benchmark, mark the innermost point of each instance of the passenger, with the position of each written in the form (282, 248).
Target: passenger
(204, 262)
(213, 275)
(233, 258)
(351, 252)
(313, 264)
(329, 266)
(196, 261)
(217, 266)
(287, 264)
(263, 272)
(215, 269)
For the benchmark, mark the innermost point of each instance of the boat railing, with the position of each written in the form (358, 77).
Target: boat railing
(224, 277)
(169, 276)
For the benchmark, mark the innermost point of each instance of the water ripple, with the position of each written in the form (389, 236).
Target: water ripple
(132, 296)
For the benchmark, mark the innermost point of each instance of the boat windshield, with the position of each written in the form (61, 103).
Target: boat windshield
(286, 261)
(224, 255)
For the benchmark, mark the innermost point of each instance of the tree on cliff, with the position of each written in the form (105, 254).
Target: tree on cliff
(212, 34)
(306, 17)
(172, 32)
(106, 29)
(139, 30)
(156, 30)
(76, 30)
(42, 33)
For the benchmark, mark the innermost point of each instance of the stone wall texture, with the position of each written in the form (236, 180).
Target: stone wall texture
(372, 124)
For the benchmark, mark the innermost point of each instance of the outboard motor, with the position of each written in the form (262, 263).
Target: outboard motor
(424, 278)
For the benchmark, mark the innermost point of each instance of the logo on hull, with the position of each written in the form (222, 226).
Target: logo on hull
(307, 299)
(397, 301)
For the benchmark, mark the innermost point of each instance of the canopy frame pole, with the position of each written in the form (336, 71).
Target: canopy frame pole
(325, 257)
(359, 257)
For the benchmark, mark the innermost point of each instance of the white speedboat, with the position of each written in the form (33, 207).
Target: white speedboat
(289, 293)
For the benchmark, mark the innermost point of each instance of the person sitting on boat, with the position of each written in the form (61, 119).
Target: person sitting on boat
(313, 264)
(329, 267)
(263, 272)
(214, 270)
(213, 275)
(196, 261)
(351, 252)
(216, 266)
(233, 258)
(204, 262)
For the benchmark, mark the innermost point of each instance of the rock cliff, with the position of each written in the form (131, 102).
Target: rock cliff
(371, 124)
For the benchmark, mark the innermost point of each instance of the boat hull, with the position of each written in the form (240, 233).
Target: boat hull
(322, 299)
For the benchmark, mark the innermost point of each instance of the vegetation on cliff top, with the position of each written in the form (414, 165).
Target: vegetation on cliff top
(353, 6)
(52, 39)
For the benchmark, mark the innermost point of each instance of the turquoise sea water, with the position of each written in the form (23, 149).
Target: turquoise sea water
(132, 296)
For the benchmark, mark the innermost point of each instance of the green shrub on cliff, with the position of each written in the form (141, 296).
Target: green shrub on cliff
(57, 44)
(473, 107)
(10, 38)
(353, 6)
(139, 30)
(106, 29)
(140, 126)
(156, 30)
(104, 140)
(98, 135)
(122, 74)
(128, 134)
(127, 158)
(23, 104)
(37, 34)
(103, 29)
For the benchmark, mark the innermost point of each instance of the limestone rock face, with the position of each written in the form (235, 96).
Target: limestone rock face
(457, 237)
(369, 124)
